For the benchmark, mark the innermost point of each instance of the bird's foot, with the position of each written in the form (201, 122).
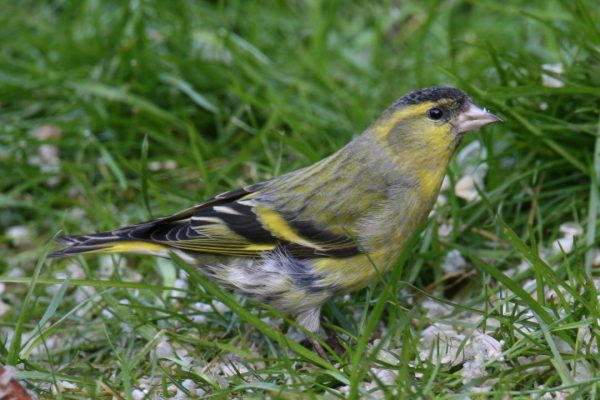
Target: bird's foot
(333, 340)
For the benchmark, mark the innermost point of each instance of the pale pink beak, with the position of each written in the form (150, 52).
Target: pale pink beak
(474, 118)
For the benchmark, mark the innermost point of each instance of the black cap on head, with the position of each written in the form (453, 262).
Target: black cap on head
(435, 93)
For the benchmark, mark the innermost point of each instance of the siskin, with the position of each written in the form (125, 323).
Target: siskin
(330, 228)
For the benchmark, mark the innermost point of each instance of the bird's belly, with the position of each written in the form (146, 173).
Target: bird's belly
(296, 285)
(348, 274)
(290, 285)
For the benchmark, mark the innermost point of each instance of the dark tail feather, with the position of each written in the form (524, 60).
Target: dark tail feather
(140, 238)
(77, 244)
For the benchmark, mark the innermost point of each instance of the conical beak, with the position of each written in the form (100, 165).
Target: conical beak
(474, 118)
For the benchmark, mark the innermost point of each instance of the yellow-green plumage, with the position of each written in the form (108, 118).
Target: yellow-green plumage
(329, 228)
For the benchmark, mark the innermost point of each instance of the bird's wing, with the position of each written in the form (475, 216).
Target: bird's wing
(240, 224)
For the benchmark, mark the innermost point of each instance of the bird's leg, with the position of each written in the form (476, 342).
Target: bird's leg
(311, 321)
(318, 348)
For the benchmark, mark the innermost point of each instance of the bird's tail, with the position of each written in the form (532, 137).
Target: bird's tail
(108, 242)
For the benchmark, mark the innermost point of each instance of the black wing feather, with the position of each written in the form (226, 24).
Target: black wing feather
(225, 224)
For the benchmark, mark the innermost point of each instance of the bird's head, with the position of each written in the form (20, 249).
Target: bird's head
(431, 121)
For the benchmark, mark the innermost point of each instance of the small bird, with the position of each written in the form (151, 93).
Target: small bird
(331, 228)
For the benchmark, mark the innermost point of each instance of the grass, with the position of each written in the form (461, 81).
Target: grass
(154, 106)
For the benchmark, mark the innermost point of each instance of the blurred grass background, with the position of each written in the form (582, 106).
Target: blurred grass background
(112, 112)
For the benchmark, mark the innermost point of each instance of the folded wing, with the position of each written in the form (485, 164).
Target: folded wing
(234, 223)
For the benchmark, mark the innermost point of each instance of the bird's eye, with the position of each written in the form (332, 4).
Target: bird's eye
(436, 113)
